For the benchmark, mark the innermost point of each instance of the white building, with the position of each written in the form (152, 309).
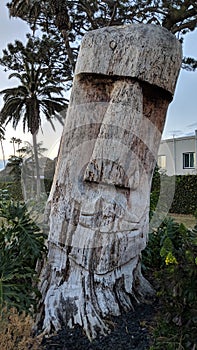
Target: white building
(178, 156)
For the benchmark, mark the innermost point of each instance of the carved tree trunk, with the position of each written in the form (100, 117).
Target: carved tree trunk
(98, 208)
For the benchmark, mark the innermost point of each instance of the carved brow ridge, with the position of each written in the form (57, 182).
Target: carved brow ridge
(148, 89)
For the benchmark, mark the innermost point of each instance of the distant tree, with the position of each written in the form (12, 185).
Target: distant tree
(14, 165)
(28, 176)
(39, 90)
(74, 18)
(13, 141)
(18, 142)
(27, 151)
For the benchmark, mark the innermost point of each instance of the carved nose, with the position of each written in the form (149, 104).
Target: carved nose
(113, 161)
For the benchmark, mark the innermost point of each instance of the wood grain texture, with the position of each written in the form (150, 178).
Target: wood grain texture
(136, 50)
(98, 208)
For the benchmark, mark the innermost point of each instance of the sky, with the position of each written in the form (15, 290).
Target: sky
(181, 116)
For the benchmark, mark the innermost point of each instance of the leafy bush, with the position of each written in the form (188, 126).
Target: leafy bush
(21, 245)
(185, 196)
(4, 194)
(160, 239)
(162, 192)
(14, 189)
(185, 204)
(16, 331)
(171, 255)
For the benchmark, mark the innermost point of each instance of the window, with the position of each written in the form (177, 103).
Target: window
(161, 162)
(188, 160)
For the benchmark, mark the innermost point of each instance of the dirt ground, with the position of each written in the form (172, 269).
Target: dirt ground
(129, 331)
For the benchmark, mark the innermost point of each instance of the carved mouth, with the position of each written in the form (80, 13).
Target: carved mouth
(108, 223)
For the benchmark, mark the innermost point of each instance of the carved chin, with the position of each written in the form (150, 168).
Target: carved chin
(109, 215)
(107, 251)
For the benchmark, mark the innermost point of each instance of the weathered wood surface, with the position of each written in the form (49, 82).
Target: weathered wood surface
(150, 54)
(98, 207)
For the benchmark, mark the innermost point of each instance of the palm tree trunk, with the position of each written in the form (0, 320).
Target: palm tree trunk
(13, 142)
(3, 153)
(38, 182)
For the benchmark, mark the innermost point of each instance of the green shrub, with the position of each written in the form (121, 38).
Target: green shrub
(21, 245)
(171, 255)
(162, 192)
(169, 231)
(185, 197)
(14, 189)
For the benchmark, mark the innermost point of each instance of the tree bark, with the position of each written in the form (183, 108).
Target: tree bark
(37, 167)
(3, 153)
(98, 207)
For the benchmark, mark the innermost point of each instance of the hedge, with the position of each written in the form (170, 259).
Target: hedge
(185, 195)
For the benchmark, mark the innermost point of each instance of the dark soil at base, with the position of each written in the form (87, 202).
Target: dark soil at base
(128, 331)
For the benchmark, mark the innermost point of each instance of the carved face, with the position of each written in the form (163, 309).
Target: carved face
(107, 155)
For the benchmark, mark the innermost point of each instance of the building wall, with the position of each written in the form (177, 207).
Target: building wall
(173, 150)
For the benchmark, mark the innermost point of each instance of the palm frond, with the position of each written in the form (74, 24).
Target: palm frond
(52, 125)
(49, 89)
(59, 118)
(50, 108)
(2, 132)
(24, 78)
(10, 106)
(15, 75)
(20, 90)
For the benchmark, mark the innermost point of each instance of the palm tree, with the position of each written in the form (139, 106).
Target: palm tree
(27, 150)
(26, 153)
(34, 95)
(18, 142)
(13, 141)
